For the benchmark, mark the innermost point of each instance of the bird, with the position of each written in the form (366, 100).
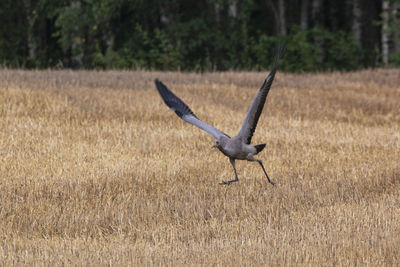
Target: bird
(238, 147)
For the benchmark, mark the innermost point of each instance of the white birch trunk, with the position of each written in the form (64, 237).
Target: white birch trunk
(233, 9)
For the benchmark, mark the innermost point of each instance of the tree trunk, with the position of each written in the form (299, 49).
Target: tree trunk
(304, 15)
(279, 15)
(356, 25)
(233, 9)
(318, 43)
(396, 33)
(282, 18)
(164, 19)
(316, 6)
(217, 11)
(31, 41)
(385, 33)
(276, 15)
(77, 49)
(77, 52)
(29, 30)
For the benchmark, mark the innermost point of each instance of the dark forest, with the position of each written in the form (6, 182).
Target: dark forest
(200, 35)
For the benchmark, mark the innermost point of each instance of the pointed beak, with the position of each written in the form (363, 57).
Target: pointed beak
(214, 146)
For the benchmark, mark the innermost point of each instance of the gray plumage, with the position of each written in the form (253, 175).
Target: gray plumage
(256, 107)
(238, 147)
(183, 111)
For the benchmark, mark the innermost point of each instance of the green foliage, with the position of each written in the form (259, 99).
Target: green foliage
(300, 51)
(339, 50)
(167, 35)
(308, 50)
(395, 59)
(147, 51)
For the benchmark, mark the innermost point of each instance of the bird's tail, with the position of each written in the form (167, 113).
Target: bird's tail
(259, 148)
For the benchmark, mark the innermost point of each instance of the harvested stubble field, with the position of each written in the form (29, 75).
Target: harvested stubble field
(95, 169)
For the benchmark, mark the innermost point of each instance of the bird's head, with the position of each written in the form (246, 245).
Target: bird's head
(217, 144)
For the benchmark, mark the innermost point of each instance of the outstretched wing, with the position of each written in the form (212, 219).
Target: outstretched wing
(183, 111)
(252, 116)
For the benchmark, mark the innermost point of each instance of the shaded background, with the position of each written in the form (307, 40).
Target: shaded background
(199, 35)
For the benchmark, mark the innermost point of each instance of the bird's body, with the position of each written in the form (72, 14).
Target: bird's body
(238, 147)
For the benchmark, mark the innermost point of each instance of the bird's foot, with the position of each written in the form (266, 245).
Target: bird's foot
(228, 182)
(271, 182)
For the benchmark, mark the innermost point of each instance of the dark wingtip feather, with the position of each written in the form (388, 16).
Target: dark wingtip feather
(266, 86)
(172, 101)
(279, 51)
(259, 148)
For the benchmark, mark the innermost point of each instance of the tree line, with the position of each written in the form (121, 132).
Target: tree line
(199, 35)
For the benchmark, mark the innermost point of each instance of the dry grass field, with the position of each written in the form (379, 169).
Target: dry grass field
(95, 169)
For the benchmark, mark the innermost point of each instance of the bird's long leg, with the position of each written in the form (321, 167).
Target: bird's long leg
(262, 166)
(234, 169)
(251, 158)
